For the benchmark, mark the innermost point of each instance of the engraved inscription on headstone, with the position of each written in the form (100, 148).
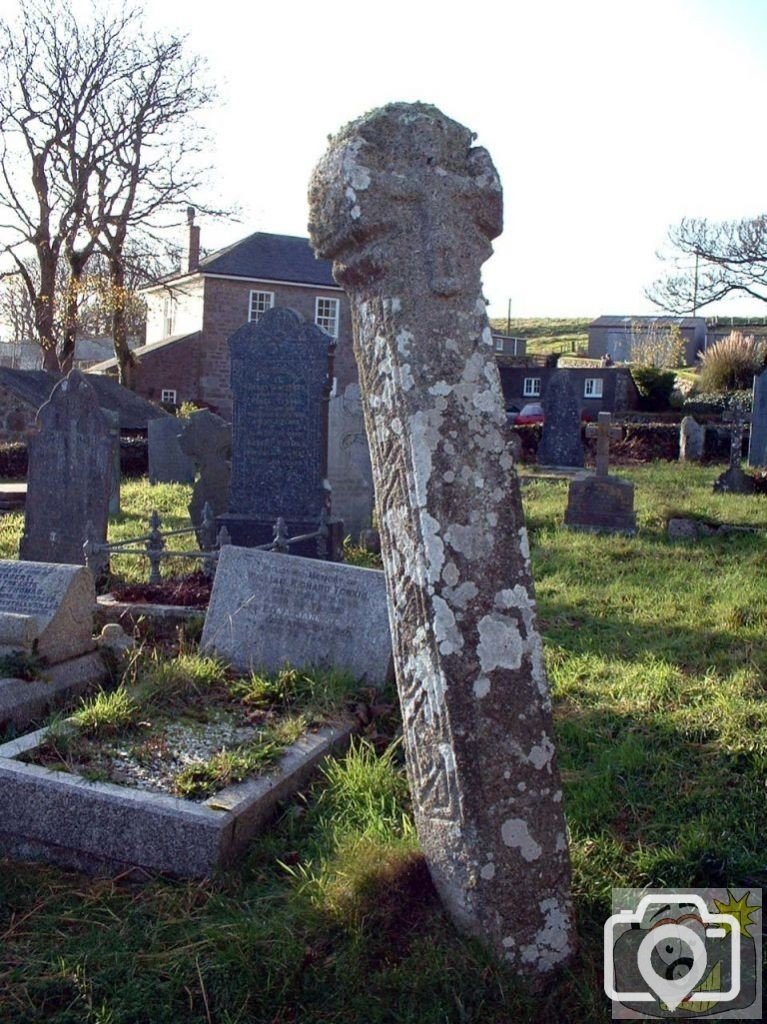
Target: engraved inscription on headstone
(69, 474)
(406, 207)
(47, 608)
(267, 610)
(281, 376)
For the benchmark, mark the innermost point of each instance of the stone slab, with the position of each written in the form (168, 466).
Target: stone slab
(349, 469)
(267, 610)
(601, 504)
(164, 618)
(757, 442)
(58, 598)
(168, 464)
(100, 827)
(23, 702)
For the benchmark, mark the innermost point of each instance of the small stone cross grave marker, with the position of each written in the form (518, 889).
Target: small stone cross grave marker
(604, 431)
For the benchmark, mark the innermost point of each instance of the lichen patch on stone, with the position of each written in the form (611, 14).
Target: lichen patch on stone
(516, 834)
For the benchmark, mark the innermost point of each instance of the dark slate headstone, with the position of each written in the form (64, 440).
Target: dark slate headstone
(757, 445)
(349, 470)
(69, 475)
(207, 440)
(281, 373)
(561, 443)
(168, 464)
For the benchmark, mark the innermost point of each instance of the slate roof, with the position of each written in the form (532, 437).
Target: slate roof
(35, 386)
(661, 321)
(111, 364)
(265, 257)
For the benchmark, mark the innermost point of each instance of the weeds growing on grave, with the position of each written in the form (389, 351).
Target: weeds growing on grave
(658, 660)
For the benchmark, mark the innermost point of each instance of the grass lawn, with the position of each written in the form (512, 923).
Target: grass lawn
(657, 655)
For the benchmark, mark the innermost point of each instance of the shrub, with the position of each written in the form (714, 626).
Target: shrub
(654, 386)
(730, 364)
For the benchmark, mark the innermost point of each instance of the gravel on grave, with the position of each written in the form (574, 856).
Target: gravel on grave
(153, 764)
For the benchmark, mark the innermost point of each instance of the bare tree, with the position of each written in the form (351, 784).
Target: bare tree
(97, 145)
(711, 260)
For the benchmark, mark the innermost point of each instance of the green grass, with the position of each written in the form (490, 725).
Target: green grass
(657, 655)
(548, 336)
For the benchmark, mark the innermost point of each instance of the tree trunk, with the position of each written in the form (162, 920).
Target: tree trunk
(44, 314)
(77, 262)
(125, 361)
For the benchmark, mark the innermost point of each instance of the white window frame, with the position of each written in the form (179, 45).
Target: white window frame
(169, 396)
(169, 315)
(258, 303)
(327, 321)
(593, 387)
(531, 387)
(499, 344)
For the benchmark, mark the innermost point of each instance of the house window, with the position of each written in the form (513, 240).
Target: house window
(168, 396)
(326, 315)
(499, 344)
(531, 387)
(593, 387)
(259, 303)
(168, 316)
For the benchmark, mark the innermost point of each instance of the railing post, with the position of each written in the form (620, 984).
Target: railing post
(281, 537)
(154, 547)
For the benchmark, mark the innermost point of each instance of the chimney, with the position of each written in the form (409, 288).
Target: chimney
(191, 261)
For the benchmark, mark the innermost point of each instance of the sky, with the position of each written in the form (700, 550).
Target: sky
(608, 121)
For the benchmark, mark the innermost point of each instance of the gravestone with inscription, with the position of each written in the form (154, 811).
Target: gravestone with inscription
(46, 608)
(268, 610)
(282, 370)
(168, 464)
(69, 476)
(207, 440)
(349, 470)
(561, 443)
(599, 502)
(757, 442)
(406, 207)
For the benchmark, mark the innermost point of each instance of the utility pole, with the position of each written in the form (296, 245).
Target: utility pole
(508, 319)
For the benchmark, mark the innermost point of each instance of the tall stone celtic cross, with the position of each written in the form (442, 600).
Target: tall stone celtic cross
(406, 208)
(605, 431)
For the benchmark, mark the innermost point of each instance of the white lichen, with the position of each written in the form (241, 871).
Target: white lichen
(516, 834)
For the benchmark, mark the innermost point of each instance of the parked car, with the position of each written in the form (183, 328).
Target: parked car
(532, 412)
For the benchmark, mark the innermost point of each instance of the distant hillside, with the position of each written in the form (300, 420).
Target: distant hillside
(547, 335)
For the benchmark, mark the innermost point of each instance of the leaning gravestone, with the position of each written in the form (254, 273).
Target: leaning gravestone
(599, 502)
(207, 440)
(168, 464)
(406, 208)
(282, 369)
(349, 470)
(561, 443)
(69, 475)
(757, 444)
(692, 440)
(267, 610)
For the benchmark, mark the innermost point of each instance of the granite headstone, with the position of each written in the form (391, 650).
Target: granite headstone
(598, 502)
(757, 444)
(207, 440)
(349, 470)
(281, 370)
(561, 443)
(734, 480)
(268, 610)
(69, 475)
(692, 440)
(168, 464)
(47, 609)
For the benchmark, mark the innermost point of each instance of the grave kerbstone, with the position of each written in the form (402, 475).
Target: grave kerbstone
(47, 609)
(207, 440)
(281, 375)
(349, 470)
(561, 443)
(406, 208)
(599, 502)
(757, 444)
(168, 464)
(69, 474)
(692, 440)
(268, 610)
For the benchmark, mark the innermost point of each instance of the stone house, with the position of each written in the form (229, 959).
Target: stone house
(617, 336)
(191, 315)
(601, 388)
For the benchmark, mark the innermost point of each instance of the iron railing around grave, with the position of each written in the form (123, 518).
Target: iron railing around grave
(154, 544)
